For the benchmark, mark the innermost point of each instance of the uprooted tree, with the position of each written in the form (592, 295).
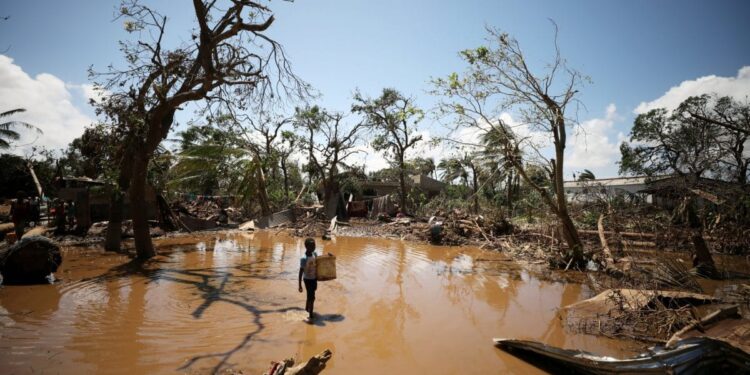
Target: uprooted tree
(498, 79)
(226, 60)
(394, 117)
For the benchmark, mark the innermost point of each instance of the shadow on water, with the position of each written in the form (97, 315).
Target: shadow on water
(211, 284)
(321, 319)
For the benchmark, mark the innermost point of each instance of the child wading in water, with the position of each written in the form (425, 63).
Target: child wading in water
(307, 268)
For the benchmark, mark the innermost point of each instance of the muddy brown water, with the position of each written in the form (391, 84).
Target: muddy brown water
(230, 300)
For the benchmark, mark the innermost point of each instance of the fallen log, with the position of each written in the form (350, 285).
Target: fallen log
(609, 261)
(624, 234)
(716, 316)
(36, 231)
(30, 260)
(6, 227)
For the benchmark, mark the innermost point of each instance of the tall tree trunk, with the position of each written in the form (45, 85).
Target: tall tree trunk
(286, 180)
(402, 182)
(702, 259)
(475, 181)
(570, 233)
(114, 228)
(117, 198)
(139, 208)
(265, 206)
(509, 192)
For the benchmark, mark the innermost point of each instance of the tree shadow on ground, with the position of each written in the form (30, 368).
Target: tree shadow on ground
(211, 284)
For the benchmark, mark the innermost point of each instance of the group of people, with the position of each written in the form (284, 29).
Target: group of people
(64, 214)
(24, 212)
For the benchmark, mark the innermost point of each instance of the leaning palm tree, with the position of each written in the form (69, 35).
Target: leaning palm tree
(425, 166)
(462, 167)
(230, 167)
(453, 168)
(500, 155)
(586, 175)
(7, 132)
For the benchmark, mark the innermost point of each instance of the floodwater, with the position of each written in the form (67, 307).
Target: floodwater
(230, 300)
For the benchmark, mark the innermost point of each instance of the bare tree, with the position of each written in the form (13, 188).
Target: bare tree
(499, 79)
(227, 60)
(396, 117)
(329, 142)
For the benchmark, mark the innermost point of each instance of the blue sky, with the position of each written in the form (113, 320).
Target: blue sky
(634, 51)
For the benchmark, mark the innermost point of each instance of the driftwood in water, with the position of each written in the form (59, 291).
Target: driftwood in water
(314, 366)
(30, 260)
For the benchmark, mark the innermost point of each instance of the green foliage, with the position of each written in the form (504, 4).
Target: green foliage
(395, 119)
(92, 154)
(15, 175)
(385, 175)
(590, 219)
(689, 140)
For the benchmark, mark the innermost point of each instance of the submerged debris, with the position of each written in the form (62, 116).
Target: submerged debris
(639, 314)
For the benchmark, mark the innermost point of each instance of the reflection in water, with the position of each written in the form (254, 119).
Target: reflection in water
(230, 301)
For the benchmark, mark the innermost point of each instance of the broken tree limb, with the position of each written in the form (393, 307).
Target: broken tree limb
(481, 231)
(36, 180)
(718, 315)
(624, 234)
(609, 261)
(300, 193)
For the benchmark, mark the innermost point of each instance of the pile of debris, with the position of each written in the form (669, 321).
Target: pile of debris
(637, 314)
(207, 209)
(452, 228)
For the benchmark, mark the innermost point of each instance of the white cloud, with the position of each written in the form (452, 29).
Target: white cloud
(737, 87)
(48, 105)
(591, 147)
(371, 159)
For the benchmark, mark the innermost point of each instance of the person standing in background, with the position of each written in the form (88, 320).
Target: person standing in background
(19, 213)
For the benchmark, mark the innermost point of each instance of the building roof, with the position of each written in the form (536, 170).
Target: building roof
(615, 181)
